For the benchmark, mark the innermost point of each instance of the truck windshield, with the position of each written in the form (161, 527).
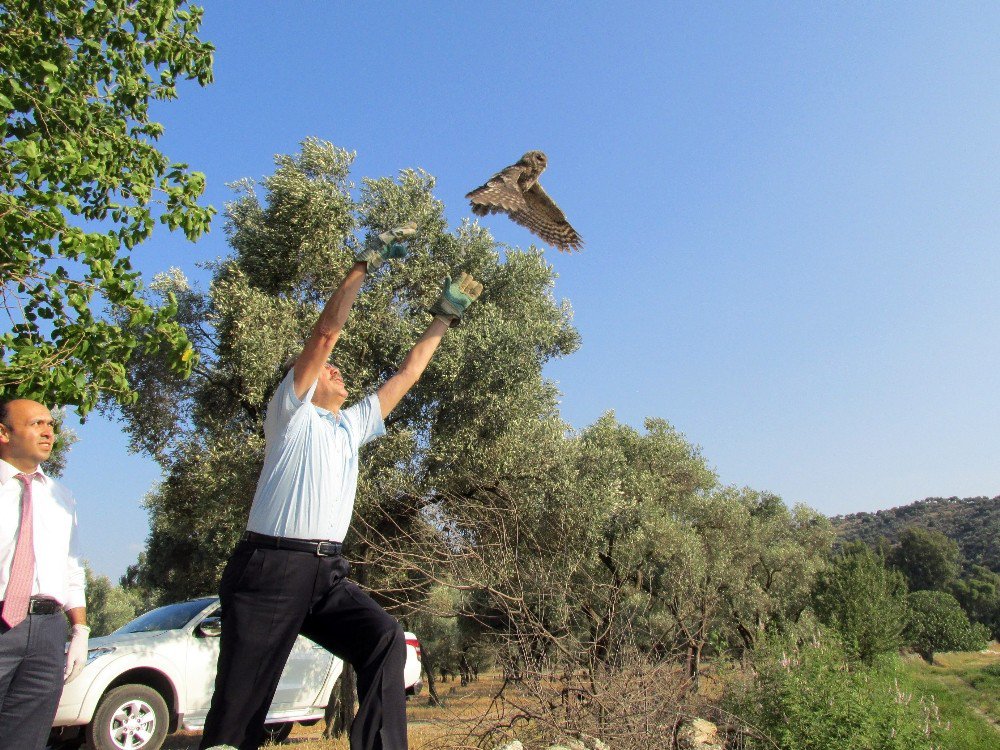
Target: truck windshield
(170, 617)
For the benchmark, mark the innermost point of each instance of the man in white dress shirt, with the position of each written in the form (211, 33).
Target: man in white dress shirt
(287, 575)
(41, 577)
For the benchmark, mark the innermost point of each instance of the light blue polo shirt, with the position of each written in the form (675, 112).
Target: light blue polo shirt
(310, 476)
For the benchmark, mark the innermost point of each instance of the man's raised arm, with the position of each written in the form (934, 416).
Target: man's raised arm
(448, 311)
(331, 321)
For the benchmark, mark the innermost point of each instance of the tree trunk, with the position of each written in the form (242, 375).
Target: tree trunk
(345, 717)
(694, 665)
(332, 706)
(340, 710)
(427, 664)
(463, 666)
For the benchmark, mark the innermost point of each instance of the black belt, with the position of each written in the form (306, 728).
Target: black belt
(41, 606)
(318, 548)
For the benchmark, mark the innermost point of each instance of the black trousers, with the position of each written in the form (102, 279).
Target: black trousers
(32, 659)
(270, 596)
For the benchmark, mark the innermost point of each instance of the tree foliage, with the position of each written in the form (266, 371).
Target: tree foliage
(609, 537)
(82, 184)
(293, 241)
(616, 546)
(609, 555)
(937, 623)
(110, 606)
(864, 602)
(978, 591)
(928, 559)
(803, 693)
(65, 438)
(973, 522)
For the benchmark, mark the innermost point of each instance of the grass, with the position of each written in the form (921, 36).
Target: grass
(966, 688)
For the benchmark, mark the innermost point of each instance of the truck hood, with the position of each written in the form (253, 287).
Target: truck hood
(126, 640)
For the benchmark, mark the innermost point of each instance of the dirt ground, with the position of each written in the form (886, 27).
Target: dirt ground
(430, 727)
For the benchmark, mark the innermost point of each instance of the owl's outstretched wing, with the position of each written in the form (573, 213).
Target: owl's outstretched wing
(543, 217)
(500, 194)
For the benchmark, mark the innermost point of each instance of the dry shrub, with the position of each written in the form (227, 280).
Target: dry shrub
(579, 649)
(634, 704)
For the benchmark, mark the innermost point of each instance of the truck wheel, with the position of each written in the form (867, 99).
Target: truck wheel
(129, 717)
(275, 733)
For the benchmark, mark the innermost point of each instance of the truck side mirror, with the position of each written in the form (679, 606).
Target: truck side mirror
(210, 627)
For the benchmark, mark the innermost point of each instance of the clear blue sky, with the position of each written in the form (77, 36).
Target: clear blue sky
(790, 210)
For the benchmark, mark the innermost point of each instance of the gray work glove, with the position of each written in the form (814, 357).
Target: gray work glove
(391, 244)
(455, 298)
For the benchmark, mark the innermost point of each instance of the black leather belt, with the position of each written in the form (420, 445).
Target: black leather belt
(315, 547)
(41, 606)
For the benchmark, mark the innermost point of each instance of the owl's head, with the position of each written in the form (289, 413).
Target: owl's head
(536, 159)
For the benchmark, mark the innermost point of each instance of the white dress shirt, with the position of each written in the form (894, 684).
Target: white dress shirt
(307, 486)
(59, 571)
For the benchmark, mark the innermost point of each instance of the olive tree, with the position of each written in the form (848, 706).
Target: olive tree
(937, 623)
(928, 559)
(294, 235)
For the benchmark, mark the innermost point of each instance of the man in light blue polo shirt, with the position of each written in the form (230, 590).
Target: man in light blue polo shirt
(287, 575)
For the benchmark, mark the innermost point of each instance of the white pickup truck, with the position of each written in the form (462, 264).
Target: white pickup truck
(155, 675)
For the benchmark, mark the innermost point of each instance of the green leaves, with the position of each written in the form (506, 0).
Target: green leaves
(294, 235)
(938, 623)
(800, 692)
(864, 601)
(927, 558)
(77, 144)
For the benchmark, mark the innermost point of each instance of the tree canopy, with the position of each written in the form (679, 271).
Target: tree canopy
(294, 236)
(928, 559)
(82, 184)
(973, 522)
(937, 623)
(599, 553)
(864, 601)
(978, 591)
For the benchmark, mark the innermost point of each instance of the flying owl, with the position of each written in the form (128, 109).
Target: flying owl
(515, 191)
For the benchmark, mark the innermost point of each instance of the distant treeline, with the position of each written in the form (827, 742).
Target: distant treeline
(972, 522)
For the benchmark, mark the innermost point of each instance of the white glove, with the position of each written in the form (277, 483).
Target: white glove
(76, 652)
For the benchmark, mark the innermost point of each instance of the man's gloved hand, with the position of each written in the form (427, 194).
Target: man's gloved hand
(399, 234)
(392, 244)
(455, 298)
(76, 654)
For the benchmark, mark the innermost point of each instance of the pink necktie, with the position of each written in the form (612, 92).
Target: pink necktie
(22, 570)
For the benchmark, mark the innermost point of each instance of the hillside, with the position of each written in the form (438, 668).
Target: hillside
(973, 522)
